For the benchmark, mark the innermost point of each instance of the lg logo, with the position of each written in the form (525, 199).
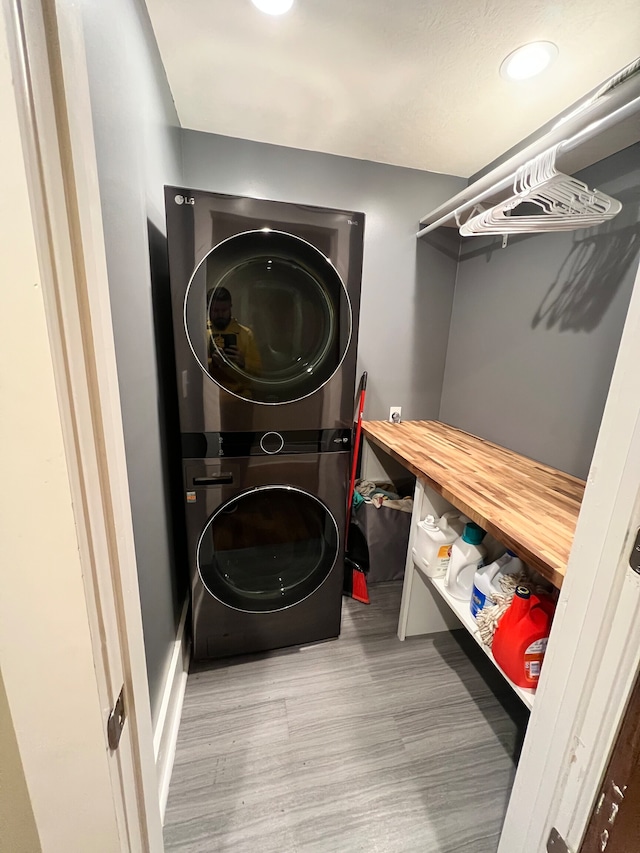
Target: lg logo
(180, 199)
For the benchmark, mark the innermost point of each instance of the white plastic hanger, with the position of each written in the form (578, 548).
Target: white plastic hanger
(565, 203)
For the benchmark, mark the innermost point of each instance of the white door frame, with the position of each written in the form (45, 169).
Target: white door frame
(594, 650)
(46, 45)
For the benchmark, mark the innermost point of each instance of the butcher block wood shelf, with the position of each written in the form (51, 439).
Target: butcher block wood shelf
(529, 507)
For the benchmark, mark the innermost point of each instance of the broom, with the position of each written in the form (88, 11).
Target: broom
(355, 578)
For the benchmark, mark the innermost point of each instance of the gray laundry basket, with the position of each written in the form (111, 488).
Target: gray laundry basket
(386, 532)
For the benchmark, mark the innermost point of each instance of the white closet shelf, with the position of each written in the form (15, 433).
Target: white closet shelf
(463, 612)
(598, 127)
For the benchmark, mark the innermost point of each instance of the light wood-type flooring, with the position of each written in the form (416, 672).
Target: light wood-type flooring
(358, 744)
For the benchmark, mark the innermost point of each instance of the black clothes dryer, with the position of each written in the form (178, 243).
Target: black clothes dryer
(265, 302)
(265, 536)
(265, 299)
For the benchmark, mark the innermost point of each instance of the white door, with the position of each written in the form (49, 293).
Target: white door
(71, 631)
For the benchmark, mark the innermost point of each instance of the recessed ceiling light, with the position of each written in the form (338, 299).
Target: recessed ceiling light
(528, 60)
(273, 7)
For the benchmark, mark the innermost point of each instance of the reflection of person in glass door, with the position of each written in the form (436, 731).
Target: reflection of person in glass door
(229, 341)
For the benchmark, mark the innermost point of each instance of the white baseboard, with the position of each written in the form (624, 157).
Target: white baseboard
(168, 722)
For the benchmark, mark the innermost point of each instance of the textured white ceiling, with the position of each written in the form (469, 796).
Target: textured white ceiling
(408, 82)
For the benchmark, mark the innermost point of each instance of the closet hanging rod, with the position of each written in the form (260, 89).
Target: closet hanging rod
(619, 107)
(582, 136)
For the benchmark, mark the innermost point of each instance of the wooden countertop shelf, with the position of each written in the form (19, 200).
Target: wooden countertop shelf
(529, 507)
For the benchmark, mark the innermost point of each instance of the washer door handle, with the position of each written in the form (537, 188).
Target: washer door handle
(225, 478)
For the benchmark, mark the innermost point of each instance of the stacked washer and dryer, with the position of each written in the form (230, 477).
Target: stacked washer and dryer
(266, 435)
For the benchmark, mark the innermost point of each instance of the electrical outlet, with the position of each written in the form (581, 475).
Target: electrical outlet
(395, 413)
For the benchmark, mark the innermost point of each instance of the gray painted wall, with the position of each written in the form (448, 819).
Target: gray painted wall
(407, 288)
(138, 151)
(536, 327)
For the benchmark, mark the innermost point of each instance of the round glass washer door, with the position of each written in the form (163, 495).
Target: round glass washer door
(267, 549)
(268, 317)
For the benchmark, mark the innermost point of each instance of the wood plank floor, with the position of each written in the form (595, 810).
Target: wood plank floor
(358, 744)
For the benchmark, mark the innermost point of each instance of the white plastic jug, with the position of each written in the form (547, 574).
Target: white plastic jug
(487, 579)
(434, 538)
(467, 555)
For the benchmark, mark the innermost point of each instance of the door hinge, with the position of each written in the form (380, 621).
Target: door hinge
(634, 557)
(556, 843)
(116, 721)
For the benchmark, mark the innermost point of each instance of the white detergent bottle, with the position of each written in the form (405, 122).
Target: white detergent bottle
(467, 555)
(454, 521)
(434, 538)
(487, 579)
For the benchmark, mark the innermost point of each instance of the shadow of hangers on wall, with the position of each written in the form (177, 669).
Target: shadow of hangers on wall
(589, 278)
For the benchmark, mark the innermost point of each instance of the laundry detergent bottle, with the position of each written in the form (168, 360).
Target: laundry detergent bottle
(434, 538)
(487, 580)
(520, 640)
(467, 555)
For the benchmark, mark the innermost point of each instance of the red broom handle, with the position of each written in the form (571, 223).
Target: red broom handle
(356, 449)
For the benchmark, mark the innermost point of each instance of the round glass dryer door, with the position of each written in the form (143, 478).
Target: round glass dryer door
(268, 317)
(267, 549)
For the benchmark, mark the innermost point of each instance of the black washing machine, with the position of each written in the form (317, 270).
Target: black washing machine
(265, 299)
(265, 303)
(265, 536)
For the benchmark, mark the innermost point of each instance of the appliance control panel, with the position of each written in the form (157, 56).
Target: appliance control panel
(216, 445)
